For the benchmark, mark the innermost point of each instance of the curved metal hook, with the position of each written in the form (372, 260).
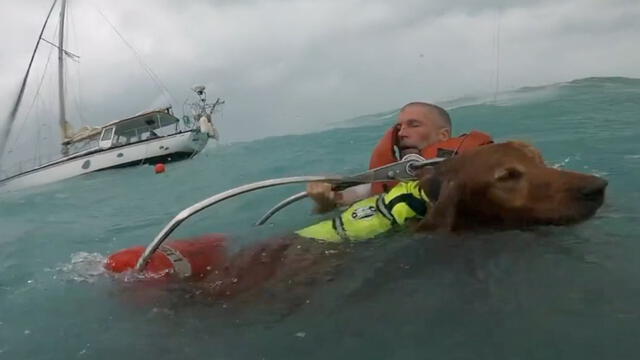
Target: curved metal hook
(281, 205)
(401, 170)
(194, 209)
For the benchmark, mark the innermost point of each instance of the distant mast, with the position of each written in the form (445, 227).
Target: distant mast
(63, 112)
(5, 131)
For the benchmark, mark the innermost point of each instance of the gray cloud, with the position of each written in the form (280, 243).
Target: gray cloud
(289, 66)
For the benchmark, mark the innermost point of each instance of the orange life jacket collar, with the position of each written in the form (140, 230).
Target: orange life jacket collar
(385, 152)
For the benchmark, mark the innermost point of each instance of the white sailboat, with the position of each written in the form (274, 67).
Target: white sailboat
(148, 138)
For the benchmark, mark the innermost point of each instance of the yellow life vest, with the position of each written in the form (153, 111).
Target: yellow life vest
(372, 216)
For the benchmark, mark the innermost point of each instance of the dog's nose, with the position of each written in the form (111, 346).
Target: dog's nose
(594, 190)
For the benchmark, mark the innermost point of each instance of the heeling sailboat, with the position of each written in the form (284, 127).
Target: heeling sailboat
(147, 138)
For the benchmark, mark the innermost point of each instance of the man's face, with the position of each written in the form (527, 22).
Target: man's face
(419, 127)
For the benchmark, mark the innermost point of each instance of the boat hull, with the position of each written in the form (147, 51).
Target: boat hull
(165, 149)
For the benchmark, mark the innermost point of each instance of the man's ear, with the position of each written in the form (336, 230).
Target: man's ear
(443, 213)
(444, 134)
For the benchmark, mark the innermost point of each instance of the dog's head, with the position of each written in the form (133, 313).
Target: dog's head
(507, 185)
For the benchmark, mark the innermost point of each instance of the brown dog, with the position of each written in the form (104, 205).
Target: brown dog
(504, 185)
(508, 185)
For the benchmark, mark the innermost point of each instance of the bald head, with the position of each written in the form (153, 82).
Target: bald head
(422, 124)
(441, 114)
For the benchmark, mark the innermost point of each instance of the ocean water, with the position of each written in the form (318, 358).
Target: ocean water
(553, 292)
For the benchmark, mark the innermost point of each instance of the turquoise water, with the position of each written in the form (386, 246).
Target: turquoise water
(568, 293)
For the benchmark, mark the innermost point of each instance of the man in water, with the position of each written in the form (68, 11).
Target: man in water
(419, 125)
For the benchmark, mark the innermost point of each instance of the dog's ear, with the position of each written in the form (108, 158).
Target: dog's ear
(443, 213)
(425, 173)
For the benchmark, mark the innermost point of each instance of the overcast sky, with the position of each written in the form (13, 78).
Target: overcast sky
(287, 66)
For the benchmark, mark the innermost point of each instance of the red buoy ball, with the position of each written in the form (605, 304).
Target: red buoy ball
(159, 168)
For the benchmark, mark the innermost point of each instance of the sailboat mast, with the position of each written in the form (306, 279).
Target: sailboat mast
(6, 130)
(63, 111)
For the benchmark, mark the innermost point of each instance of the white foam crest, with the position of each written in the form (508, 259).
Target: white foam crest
(82, 267)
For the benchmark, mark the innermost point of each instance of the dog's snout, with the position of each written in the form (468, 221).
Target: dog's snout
(594, 190)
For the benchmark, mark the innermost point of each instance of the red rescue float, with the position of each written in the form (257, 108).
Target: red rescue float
(187, 258)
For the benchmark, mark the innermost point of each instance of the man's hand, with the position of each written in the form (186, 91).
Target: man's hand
(326, 199)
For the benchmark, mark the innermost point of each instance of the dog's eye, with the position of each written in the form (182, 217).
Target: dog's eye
(508, 174)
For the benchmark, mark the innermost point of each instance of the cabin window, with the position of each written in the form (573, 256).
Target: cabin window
(107, 134)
